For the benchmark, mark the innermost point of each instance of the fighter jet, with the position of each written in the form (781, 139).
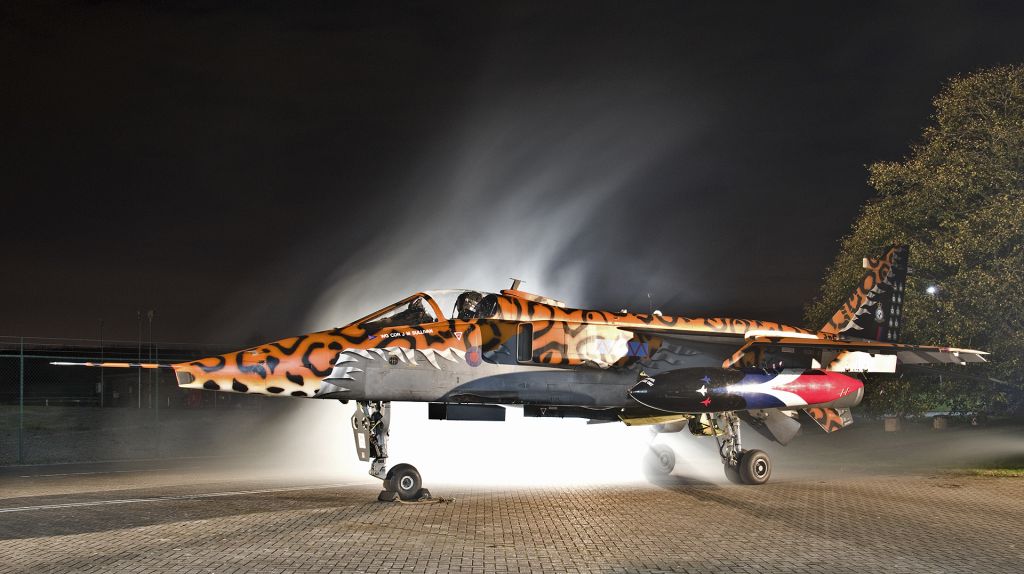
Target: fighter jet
(467, 353)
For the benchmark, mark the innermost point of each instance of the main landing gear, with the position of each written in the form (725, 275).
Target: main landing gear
(741, 466)
(370, 424)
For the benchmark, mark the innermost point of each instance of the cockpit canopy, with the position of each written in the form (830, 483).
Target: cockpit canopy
(433, 306)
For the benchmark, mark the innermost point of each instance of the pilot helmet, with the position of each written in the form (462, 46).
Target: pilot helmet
(467, 303)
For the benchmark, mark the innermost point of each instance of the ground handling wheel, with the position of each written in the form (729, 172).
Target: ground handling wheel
(755, 467)
(404, 480)
(660, 460)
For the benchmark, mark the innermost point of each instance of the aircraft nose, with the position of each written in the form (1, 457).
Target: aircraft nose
(211, 373)
(253, 371)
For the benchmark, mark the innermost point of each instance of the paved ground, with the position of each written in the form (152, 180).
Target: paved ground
(181, 517)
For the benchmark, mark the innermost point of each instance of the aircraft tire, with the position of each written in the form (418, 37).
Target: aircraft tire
(660, 460)
(733, 474)
(405, 480)
(755, 467)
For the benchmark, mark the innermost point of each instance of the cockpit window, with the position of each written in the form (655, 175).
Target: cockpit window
(466, 304)
(415, 312)
(487, 307)
(432, 306)
(459, 304)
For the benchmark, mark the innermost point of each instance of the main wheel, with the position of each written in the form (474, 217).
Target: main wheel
(405, 480)
(660, 460)
(755, 467)
(733, 474)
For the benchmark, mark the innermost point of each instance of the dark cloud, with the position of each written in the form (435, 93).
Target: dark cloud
(257, 168)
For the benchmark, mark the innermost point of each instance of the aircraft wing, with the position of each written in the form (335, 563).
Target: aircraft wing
(868, 356)
(836, 354)
(677, 348)
(700, 337)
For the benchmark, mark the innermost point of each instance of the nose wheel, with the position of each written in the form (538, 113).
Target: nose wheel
(404, 480)
(370, 428)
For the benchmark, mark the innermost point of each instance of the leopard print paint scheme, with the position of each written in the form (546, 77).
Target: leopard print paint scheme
(571, 337)
(297, 365)
(561, 337)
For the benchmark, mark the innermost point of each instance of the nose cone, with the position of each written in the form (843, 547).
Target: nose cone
(250, 371)
(296, 367)
(215, 373)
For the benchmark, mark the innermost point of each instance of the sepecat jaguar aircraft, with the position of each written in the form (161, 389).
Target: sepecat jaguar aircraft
(469, 352)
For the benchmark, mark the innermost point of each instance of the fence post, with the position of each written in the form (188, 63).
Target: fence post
(21, 402)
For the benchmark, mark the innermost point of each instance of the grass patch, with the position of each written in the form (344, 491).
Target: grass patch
(1001, 472)
(1004, 467)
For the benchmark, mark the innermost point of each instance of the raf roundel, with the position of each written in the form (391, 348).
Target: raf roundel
(473, 357)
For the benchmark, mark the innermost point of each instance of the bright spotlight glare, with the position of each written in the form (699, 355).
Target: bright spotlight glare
(932, 289)
(522, 451)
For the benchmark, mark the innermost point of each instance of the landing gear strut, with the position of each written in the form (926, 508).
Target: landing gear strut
(370, 424)
(741, 466)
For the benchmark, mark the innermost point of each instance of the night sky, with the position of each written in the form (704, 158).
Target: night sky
(253, 171)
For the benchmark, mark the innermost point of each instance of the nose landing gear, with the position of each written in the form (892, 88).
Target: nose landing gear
(370, 424)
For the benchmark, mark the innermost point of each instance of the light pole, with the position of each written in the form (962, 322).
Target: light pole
(101, 363)
(150, 315)
(21, 401)
(154, 354)
(138, 315)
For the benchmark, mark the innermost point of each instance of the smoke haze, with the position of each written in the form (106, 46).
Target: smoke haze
(534, 186)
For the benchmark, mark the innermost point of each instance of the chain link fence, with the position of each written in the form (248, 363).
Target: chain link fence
(56, 414)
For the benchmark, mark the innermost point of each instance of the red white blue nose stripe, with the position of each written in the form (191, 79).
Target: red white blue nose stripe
(792, 388)
(709, 389)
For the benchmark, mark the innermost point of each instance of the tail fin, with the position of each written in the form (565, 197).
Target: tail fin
(875, 308)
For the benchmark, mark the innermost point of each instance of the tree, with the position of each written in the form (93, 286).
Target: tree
(958, 201)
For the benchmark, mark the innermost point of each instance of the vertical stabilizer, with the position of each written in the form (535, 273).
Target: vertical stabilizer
(875, 308)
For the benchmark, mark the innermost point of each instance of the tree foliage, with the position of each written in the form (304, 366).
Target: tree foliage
(958, 201)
